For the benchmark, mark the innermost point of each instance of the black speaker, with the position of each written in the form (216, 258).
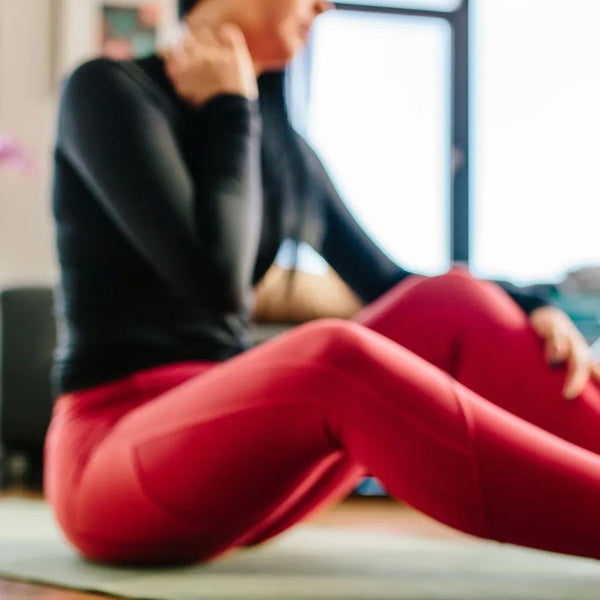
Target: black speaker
(27, 339)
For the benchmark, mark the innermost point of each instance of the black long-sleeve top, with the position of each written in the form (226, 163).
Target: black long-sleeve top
(167, 215)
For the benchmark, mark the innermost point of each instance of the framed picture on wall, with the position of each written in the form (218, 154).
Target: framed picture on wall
(120, 29)
(129, 31)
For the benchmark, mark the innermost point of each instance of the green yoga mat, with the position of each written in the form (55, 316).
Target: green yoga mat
(307, 562)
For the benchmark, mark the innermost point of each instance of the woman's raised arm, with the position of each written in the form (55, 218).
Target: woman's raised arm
(195, 219)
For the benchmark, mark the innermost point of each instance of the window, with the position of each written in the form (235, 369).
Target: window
(535, 137)
(380, 118)
(441, 5)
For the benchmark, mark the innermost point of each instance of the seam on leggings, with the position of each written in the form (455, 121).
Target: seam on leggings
(429, 431)
(142, 479)
(334, 442)
(475, 462)
(169, 429)
(339, 372)
(368, 392)
(356, 383)
(108, 428)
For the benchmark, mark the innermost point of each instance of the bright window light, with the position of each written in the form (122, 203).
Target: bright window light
(536, 137)
(441, 5)
(380, 119)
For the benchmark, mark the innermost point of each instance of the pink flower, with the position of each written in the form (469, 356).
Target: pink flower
(12, 154)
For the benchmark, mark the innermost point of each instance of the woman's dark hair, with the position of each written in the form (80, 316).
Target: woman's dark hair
(185, 6)
(296, 199)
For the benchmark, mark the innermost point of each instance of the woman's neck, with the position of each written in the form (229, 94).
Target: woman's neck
(209, 13)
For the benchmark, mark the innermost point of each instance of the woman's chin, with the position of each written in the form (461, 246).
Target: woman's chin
(285, 53)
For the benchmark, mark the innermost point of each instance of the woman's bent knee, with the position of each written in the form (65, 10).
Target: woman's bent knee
(333, 341)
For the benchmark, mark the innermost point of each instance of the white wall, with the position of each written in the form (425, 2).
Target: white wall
(27, 105)
(40, 40)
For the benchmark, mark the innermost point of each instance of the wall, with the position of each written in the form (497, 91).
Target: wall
(27, 105)
(40, 40)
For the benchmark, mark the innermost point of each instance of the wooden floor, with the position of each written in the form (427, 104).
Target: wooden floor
(359, 513)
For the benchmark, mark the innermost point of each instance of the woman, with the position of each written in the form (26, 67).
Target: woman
(177, 176)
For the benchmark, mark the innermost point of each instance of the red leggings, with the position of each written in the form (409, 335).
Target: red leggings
(439, 389)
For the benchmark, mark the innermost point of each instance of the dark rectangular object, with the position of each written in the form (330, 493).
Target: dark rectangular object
(27, 338)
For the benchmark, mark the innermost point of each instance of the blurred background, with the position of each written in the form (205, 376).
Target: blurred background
(457, 131)
(474, 126)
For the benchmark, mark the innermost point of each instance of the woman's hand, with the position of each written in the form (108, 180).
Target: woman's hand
(208, 61)
(565, 343)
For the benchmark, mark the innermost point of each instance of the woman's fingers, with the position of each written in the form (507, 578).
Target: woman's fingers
(231, 35)
(578, 370)
(205, 35)
(557, 348)
(189, 43)
(184, 51)
(208, 61)
(596, 371)
(564, 342)
(177, 55)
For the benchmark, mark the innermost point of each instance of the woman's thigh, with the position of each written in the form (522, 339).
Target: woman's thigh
(188, 474)
(245, 449)
(475, 331)
(230, 457)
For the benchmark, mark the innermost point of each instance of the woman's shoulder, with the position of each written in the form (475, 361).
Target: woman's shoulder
(92, 70)
(134, 80)
(98, 72)
(91, 81)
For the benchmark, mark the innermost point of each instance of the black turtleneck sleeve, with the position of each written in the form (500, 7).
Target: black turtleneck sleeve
(196, 219)
(352, 253)
(345, 245)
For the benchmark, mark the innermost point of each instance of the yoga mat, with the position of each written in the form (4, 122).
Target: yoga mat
(306, 562)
